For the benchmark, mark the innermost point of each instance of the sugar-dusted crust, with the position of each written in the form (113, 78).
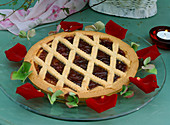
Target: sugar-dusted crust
(107, 87)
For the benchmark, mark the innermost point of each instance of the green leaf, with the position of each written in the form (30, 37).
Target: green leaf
(99, 25)
(50, 89)
(72, 94)
(71, 104)
(149, 66)
(20, 76)
(28, 35)
(22, 34)
(77, 100)
(128, 94)
(56, 94)
(96, 27)
(49, 98)
(52, 98)
(134, 46)
(22, 73)
(72, 99)
(31, 33)
(90, 28)
(154, 71)
(25, 67)
(146, 61)
(124, 89)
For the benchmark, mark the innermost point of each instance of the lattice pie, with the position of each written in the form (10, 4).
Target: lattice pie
(88, 63)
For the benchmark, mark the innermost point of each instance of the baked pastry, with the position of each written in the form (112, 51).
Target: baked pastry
(88, 63)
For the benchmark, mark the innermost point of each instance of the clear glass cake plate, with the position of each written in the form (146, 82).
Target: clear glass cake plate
(59, 110)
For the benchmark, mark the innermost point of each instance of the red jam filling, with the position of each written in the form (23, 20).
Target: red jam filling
(80, 61)
(84, 46)
(75, 76)
(57, 65)
(63, 50)
(51, 79)
(100, 72)
(103, 57)
(43, 55)
(93, 85)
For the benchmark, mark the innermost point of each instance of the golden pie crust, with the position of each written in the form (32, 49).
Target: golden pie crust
(104, 87)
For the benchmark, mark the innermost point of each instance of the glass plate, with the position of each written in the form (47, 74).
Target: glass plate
(82, 113)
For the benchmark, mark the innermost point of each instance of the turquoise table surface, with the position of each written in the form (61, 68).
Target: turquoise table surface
(157, 112)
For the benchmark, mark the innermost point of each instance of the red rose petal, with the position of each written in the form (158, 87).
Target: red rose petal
(151, 51)
(71, 26)
(16, 53)
(147, 84)
(116, 30)
(28, 91)
(102, 104)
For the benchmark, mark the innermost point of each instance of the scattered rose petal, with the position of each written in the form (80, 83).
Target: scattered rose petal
(102, 103)
(16, 53)
(151, 51)
(28, 91)
(115, 30)
(147, 84)
(71, 26)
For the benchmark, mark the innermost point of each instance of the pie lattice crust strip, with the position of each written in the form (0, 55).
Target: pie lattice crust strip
(105, 87)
